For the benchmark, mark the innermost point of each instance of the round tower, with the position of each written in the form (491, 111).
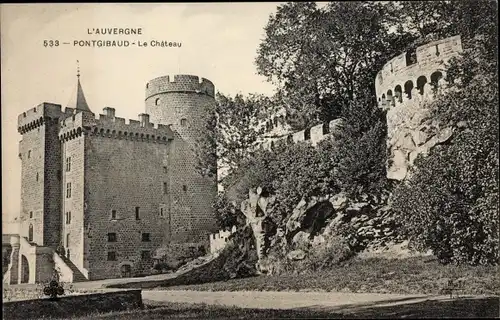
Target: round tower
(184, 102)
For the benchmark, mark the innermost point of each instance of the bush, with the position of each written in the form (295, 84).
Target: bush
(332, 252)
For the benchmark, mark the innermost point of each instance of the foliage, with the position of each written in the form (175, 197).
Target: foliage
(322, 58)
(332, 252)
(450, 205)
(227, 214)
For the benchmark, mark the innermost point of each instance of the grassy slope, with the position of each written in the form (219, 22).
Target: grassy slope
(406, 276)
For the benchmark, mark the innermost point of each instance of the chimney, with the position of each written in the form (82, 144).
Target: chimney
(109, 112)
(144, 119)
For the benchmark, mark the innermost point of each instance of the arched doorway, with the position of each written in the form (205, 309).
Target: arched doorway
(25, 270)
(126, 270)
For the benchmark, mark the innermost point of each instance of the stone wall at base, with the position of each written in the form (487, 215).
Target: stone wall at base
(72, 306)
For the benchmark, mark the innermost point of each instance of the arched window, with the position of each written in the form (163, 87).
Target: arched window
(289, 139)
(421, 81)
(398, 93)
(30, 233)
(435, 76)
(408, 88)
(157, 101)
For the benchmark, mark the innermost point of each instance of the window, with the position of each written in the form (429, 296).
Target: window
(113, 214)
(31, 214)
(165, 188)
(137, 213)
(145, 255)
(111, 256)
(30, 233)
(37, 176)
(165, 169)
(68, 164)
(411, 57)
(145, 237)
(162, 212)
(67, 240)
(184, 188)
(68, 190)
(111, 237)
(157, 101)
(183, 122)
(29, 154)
(68, 217)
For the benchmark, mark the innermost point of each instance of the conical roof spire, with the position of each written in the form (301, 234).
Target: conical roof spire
(79, 102)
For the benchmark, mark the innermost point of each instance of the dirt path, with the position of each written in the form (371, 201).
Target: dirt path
(283, 300)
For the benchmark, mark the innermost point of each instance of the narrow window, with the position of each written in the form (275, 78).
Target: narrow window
(31, 214)
(111, 237)
(145, 237)
(184, 188)
(157, 101)
(68, 217)
(165, 188)
(37, 176)
(30, 233)
(113, 214)
(67, 240)
(145, 255)
(137, 213)
(68, 190)
(183, 122)
(161, 212)
(68, 164)
(165, 169)
(29, 154)
(111, 256)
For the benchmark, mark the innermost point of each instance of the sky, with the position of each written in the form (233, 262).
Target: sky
(219, 42)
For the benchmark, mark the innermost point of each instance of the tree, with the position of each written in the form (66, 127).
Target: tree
(230, 132)
(321, 59)
(450, 204)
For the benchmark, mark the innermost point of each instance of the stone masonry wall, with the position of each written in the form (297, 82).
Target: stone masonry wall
(405, 86)
(182, 104)
(122, 174)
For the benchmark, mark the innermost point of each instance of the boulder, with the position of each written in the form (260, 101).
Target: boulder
(296, 255)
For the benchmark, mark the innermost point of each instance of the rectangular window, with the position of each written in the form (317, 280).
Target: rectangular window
(111, 237)
(68, 217)
(161, 212)
(145, 237)
(111, 256)
(68, 164)
(29, 154)
(68, 190)
(113, 214)
(145, 255)
(137, 213)
(31, 214)
(165, 188)
(165, 169)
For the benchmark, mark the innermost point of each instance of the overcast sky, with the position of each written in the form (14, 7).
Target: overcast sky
(219, 42)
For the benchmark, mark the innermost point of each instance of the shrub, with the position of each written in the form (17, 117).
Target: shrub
(332, 252)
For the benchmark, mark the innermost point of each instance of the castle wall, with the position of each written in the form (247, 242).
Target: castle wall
(183, 102)
(39, 151)
(405, 92)
(122, 175)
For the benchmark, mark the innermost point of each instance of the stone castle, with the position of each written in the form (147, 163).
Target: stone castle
(99, 195)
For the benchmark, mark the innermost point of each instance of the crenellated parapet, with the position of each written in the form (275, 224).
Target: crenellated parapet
(415, 72)
(38, 116)
(180, 84)
(312, 135)
(108, 126)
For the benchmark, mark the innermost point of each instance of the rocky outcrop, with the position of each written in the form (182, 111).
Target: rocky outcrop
(412, 132)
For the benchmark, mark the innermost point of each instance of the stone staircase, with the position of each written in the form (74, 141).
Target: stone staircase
(77, 274)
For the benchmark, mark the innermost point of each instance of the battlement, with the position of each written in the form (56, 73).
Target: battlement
(180, 84)
(312, 135)
(108, 125)
(37, 116)
(415, 68)
(218, 240)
